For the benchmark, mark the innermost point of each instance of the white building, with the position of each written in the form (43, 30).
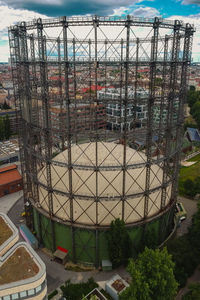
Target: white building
(116, 111)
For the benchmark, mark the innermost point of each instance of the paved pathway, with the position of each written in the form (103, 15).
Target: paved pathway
(190, 207)
(57, 275)
(8, 201)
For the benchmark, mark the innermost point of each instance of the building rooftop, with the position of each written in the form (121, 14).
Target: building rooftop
(9, 147)
(5, 231)
(9, 174)
(19, 266)
(193, 134)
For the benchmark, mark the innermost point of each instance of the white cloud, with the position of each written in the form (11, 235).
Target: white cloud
(139, 11)
(194, 20)
(147, 12)
(8, 17)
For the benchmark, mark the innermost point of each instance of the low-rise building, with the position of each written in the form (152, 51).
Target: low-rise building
(22, 272)
(10, 180)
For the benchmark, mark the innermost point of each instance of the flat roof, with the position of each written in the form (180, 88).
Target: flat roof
(19, 263)
(9, 174)
(19, 266)
(5, 231)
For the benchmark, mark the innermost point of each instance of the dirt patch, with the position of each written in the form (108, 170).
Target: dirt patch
(18, 266)
(5, 230)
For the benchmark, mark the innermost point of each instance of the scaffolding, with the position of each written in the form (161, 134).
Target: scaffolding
(100, 104)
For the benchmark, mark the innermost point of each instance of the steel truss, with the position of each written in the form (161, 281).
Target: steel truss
(59, 75)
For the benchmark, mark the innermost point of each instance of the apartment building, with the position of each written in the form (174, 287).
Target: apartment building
(136, 113)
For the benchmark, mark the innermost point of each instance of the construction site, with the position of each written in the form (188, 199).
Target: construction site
(100, 104)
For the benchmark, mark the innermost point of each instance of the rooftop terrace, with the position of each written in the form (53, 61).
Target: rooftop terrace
(19, 266)
(5, 230)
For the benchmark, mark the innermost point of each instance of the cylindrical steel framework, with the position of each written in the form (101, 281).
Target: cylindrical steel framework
(101, 112)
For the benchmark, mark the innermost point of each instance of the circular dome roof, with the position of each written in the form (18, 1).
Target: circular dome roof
(106, 185)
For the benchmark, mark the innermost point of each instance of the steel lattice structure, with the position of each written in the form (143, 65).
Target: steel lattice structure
(101, 114)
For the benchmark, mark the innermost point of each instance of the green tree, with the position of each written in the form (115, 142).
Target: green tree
(194, 230)
(1, 129)
(194, 292)
(119, 243)
(7, 131)
(189, 187)
(185, 257)
(193, 97)
(152, 277)
(195, 112)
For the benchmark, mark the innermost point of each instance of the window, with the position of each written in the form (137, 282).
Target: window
(6, 298)
(31, 292)
(22, 294)
(38, 289)
(15, 296)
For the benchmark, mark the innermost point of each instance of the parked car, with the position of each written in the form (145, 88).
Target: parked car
(181, 213)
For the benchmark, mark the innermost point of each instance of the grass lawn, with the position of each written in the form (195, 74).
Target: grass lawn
(189, 173)
(195, 158)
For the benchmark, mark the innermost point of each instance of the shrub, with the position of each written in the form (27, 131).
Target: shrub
(77, 291)
(52, 294)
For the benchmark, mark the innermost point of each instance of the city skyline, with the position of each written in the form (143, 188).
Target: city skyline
(13, 11)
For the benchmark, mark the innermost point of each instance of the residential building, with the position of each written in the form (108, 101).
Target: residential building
(116, 111)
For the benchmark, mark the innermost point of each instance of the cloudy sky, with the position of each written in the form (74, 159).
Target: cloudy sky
(13, 11)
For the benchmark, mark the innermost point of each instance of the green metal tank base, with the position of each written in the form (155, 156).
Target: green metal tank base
(89, 246)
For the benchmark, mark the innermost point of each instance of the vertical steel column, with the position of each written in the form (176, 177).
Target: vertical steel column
(149, 135)
(160, 137)
(182, 100)
(136, 83)
(35, 114)
(125, 104)
(121, 86)
(61, 120)
(69, 133)
(173, 96)
(74, 83)
(106, 52)
(90, 85)
(35, 121)
(14, 41)
(27, 100)
(46, 120)
(96, 24)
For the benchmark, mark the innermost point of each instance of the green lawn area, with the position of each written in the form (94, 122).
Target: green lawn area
(195, 158)
(189, 173)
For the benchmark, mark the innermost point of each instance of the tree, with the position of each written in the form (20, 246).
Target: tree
(194, 292)
(7, 131)
(195, 112)
(192, 97)
(185, 257)
(152, 277)
(189, 187)
(119, 243)
(194, 230)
